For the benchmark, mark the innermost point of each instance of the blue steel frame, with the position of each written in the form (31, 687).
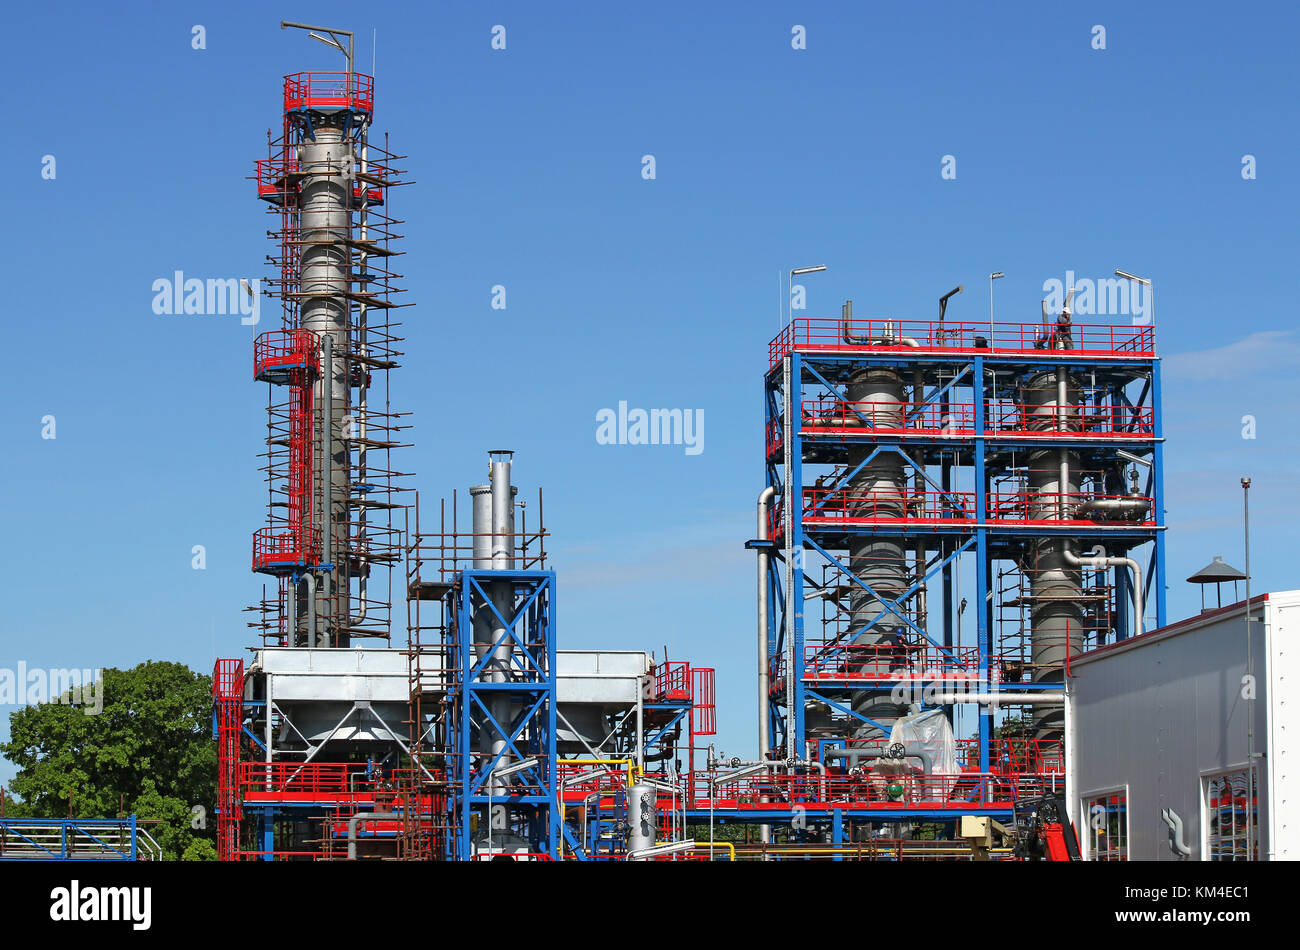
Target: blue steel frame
(987, 541)
(531, 732)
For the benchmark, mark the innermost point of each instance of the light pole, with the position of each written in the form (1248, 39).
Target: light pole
(1151, 292)
(332, 38)
(1250, 685)
(789, 288)
(992, 277)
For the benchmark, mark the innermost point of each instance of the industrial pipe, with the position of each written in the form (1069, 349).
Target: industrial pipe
(764, 687)
(1125, 508)
(310, 578)
(888, 339)
(365, 817)
(1075, 561)
(764, 733)
(327, 477)
(1036, 698)
(853, 755)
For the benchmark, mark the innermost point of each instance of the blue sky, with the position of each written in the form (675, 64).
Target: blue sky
(527, 165)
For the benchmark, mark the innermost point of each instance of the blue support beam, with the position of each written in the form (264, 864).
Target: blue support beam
(528, 627)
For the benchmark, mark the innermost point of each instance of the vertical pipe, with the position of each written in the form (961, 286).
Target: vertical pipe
(1250, 679)
(764, 736)
(327, 500)
(501, 593)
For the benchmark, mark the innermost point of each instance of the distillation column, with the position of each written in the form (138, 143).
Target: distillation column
(327, 162)
(1056, 625)
(879, 490)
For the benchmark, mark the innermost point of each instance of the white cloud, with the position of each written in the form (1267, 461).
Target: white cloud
(1265, 352)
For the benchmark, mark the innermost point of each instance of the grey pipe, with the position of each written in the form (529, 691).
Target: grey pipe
(1125, 508)
(1075, 561)
(1036, 698)
(764, 732)
(888, 338)
(764, 687)
(325, 218)
(363, 389)
(853, 755)
(365, 817)
(310, 580)
(327, 478)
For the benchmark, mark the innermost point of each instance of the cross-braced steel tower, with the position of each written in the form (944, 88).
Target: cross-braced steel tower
(907, 458)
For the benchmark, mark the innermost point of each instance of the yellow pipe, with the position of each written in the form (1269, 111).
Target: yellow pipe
(628, 764)
(699, 845)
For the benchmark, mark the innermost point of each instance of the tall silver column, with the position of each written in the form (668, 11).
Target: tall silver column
(1056, 619)
(879, 490)
(327, 164)
(494, 549)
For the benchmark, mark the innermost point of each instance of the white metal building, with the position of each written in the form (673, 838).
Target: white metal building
(1160, 745)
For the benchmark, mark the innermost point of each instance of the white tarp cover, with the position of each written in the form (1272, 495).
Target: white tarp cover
(927, 732)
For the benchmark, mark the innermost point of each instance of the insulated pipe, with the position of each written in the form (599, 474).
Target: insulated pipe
(327, 467)
(1075, 561)
(764, 729)
(1055, 614)
(764, 733)
(481, 504)
(1036, 698)
(356, 820)
(326, 162)
(363, 388)
(501, 556)
(310, 578)
(1125, 508)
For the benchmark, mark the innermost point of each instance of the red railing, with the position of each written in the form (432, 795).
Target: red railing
(846, 661)
(1080, 421)
(1026, 756)
(329, 91)
(869, 790)
(889, 418)
(704, 702)
(813, 334)
(885, 505)
(328, 779)
(773, 438)
(275, 546)
(272, 172)
(1033, 507)
(671, 681)
(228, 701)
(958, 418)
(277, 352)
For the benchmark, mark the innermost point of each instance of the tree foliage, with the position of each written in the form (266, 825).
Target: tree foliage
(149, 751)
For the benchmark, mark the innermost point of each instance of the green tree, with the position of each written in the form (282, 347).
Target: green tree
(149, 751)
